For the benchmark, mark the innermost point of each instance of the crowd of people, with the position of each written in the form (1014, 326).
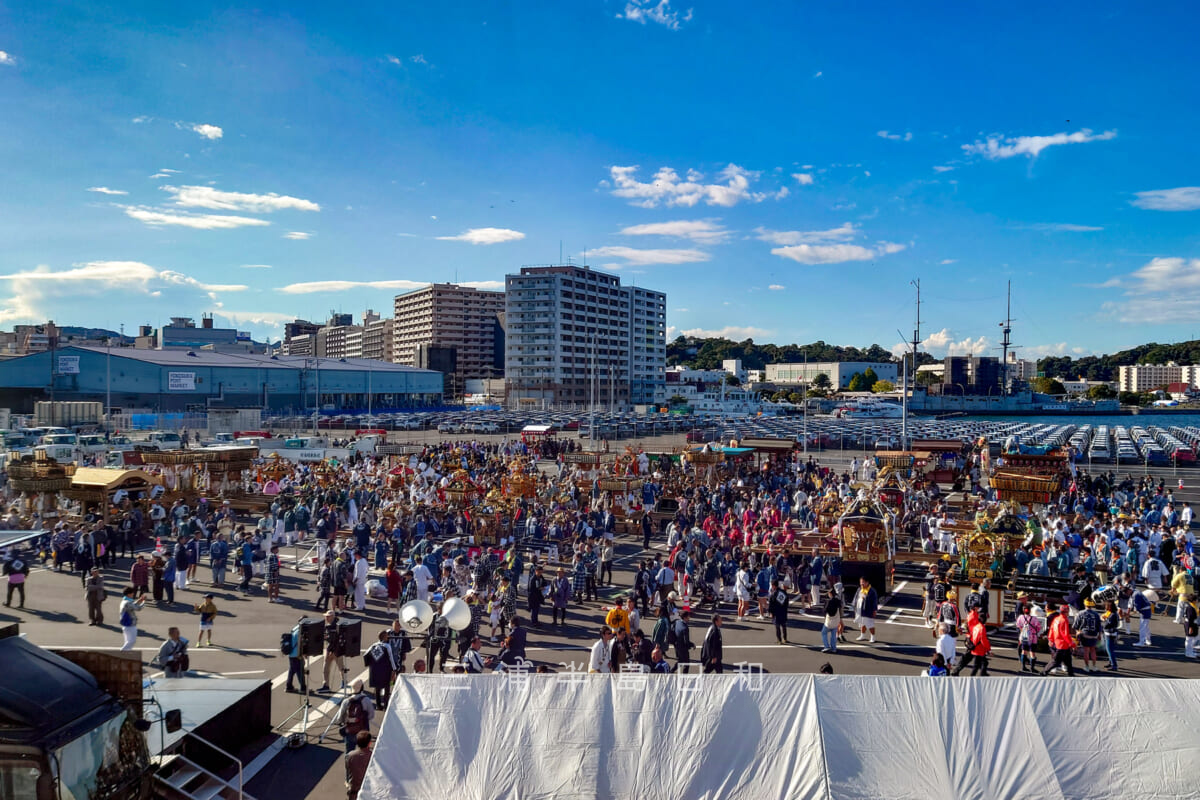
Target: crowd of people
(385, 534)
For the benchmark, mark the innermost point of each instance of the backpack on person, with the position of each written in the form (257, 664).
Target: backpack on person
(672, 636)
(356, 716)
(285, 644)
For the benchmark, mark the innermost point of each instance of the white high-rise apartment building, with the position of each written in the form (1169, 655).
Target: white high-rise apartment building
(575, 334)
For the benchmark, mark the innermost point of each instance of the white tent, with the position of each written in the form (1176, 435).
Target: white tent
(786, 736)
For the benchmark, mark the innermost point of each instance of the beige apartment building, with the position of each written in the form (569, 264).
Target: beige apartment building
(1145, 377)
(446, 315)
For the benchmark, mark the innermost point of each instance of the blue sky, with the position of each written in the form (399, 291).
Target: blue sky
(781, 170)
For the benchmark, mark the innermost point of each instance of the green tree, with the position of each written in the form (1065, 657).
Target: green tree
(928, 378)
(857, 383)
(1048, 386)
(1101, 392)
(677, 400)
(821, 381)
(732, 380)
(869, 377)
(818, 393)
(795, 397)
(883, 386)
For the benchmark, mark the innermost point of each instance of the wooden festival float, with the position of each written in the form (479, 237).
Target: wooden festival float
(39, 479)
(190, 475)
(103, 488)
(621, 490)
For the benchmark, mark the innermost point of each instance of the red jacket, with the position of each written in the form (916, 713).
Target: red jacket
(1060, 633)
(977, 635)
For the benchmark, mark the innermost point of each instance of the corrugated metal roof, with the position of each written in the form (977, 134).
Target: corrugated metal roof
(212, 358)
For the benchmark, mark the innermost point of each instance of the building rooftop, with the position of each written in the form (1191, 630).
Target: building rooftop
(212, 358)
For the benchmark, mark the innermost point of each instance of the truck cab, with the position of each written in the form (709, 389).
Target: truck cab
(165, 440)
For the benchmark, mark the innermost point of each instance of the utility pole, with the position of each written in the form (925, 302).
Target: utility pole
(1006, 342)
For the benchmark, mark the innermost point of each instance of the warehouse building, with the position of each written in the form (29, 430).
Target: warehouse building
(183, 380)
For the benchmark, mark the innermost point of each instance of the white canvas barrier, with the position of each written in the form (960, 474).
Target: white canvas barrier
(786, 736)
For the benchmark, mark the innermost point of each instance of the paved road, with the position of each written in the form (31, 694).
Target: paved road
(248, 630)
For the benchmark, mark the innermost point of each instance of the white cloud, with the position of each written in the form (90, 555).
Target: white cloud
(896, 137)
(824, 247)
(256, 266)
(1063, 227)
(105, 190)
(843, 233)
(667, 188)
(1166, 275)
(485, 236)
(1184, 198)
(395, 60)
(208, 131)
(735, 332)
(943, 168)
(826, 254)
(643, 11)
(164, 173)
(156, 217)
(641, 258)
(208, 197)
(775, 287)
(948, 261)
(680, 310)
(698, 230)
(299, 236)
(263, 319)
(943, 343)
(418, 59)
(818, 74)
(803, 178)
(997, 146)
(313, 287)
(38, 290)
(7, 59)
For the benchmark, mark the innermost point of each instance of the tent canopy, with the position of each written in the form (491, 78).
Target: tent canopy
(572, 737)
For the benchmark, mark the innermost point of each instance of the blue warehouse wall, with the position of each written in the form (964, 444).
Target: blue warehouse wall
(87, 375)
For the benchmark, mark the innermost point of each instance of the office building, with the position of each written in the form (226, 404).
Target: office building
(839, 373)
(446, 315)
(574, 335)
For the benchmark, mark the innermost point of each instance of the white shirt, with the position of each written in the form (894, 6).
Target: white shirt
(601, 660)
(946, 646)
(1152, 572)
(361, 570)
(422, 576)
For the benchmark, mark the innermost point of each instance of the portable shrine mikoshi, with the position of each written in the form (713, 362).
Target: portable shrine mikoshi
(460, 490)
(39, 479)
(624, 495)
(866, 540)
